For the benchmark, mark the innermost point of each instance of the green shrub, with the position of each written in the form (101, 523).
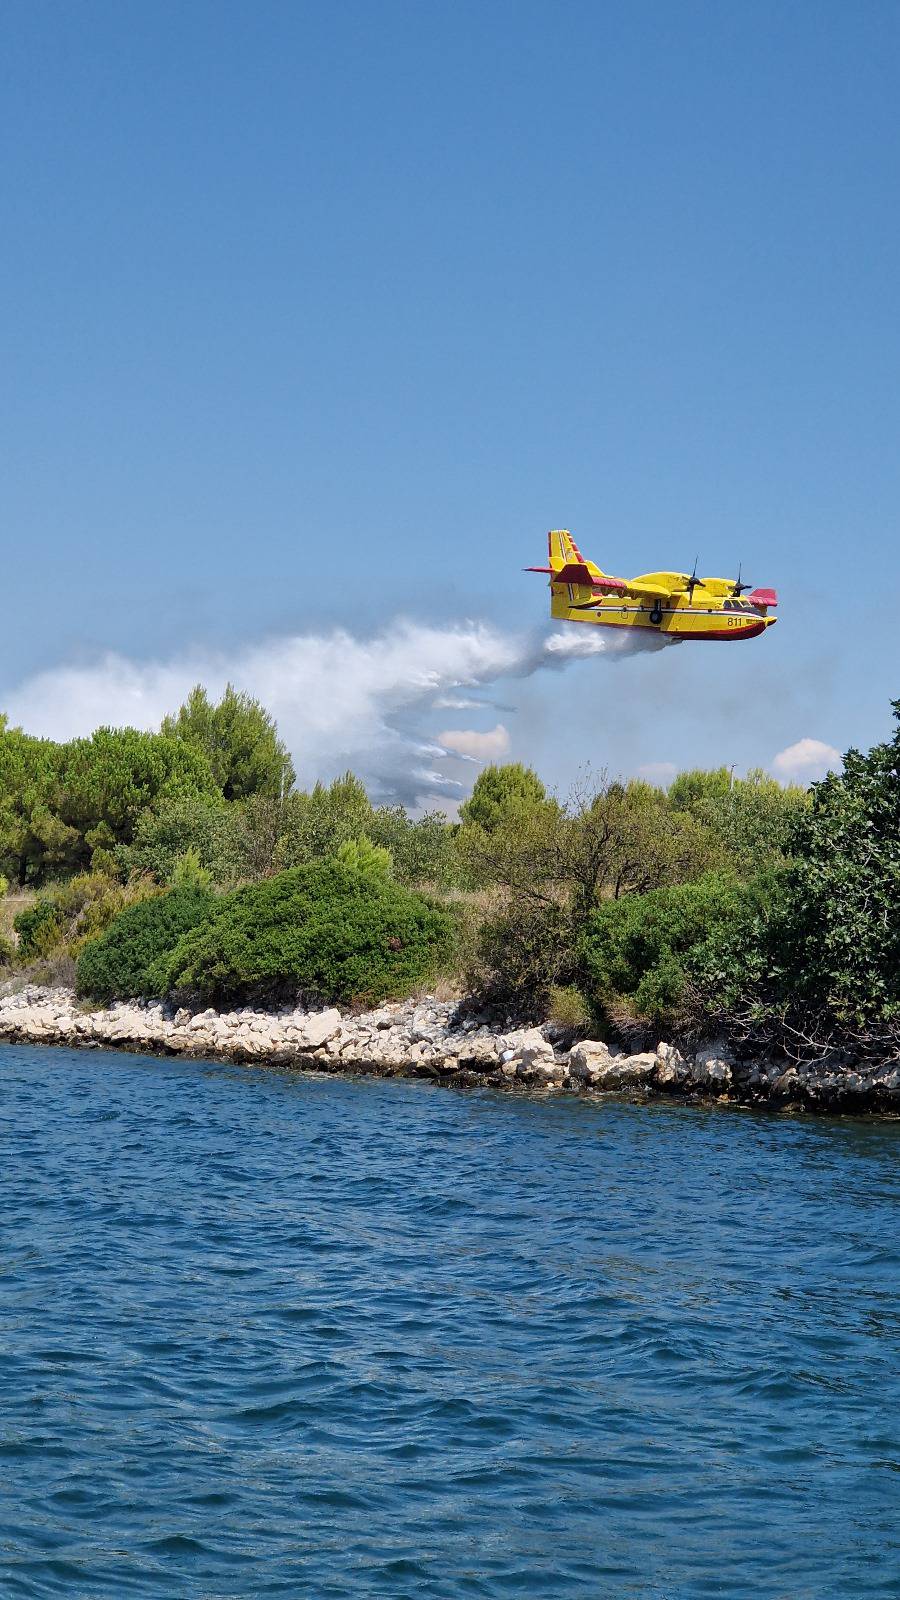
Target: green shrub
(124, 961)
(325, 929)
(839, 943)
(567, 1007)
(818, 964)
(754, 818)
(39, 928)
(643, 948)
(188, 872)
(361, 855)
(313, 826)
(521, 953)
(422, 851)
(203, 823)
(69, 914)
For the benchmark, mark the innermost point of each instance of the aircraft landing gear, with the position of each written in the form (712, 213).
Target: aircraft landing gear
(656, 614)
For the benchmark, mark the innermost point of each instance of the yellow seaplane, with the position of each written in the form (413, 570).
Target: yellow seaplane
(678, 605)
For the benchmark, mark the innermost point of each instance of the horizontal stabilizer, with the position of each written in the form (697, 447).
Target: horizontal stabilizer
(763, 597)
(590, 576)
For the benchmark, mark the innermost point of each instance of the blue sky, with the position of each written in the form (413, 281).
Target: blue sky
(318, 316)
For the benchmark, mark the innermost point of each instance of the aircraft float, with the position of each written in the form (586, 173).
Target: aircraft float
(677, 604)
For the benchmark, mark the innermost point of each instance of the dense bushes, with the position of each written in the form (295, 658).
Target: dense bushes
(201, 823)
(64, 807)
(841, 931)
(609, 839)
(126, 960)
(521, 953)
(240, 841)
(553, 865)
(644, 949)
(67, 915)
(754, 818)
(314, 825)
(819, 965)
(330, 929)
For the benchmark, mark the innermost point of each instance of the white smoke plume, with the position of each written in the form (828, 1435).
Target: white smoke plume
(340, 701)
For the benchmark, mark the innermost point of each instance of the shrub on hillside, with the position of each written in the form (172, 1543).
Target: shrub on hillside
(754, 818)
(422, 851)
(819, 966)
(124, 962)
(644, 948)
(330, 929)
(67, 915)
(567, 1008)
(38, 927)
(521, 953)
(204, 823)
(312, 826)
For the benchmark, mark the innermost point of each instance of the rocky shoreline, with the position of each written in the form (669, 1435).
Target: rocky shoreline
(427, 1038)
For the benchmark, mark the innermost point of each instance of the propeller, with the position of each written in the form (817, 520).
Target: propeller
(693, 581)
(739, 587)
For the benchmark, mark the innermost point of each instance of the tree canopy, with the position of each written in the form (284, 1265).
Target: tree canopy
(239, 740)
(63, 804)
(841, 934)
(500, 794)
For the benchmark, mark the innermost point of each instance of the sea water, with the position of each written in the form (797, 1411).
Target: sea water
(265, 1333)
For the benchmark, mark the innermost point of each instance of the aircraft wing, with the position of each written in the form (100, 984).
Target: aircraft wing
(656, 585)
(637, 588)
(647, 591)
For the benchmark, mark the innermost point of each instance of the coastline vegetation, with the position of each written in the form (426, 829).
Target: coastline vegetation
(187, 863)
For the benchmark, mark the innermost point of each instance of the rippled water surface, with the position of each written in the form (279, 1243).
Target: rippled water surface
(265, 1334)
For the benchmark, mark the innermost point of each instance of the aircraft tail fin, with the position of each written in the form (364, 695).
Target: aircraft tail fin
(563, 551)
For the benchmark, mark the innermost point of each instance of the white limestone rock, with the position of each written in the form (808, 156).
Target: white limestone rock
(318, 1027)
(671, 1067)
(534, 1050)
(588, 1060)
(546, 1073)
(718, 1051)
(712, 1073)
(625, 1072)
